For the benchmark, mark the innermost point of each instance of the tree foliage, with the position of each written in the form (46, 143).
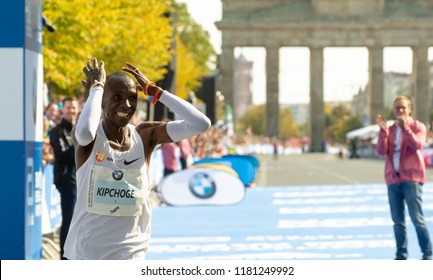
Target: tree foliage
(134, 31)
(339, 121)
(196, 57)
(188, 73)
(255, 118)
(288, 127)
(344, 126)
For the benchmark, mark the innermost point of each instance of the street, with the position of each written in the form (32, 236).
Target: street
(320, 169)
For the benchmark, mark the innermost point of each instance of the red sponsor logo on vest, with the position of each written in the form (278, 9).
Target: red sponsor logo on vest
(100, 156)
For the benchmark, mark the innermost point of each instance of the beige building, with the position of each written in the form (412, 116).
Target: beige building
(317, 24)
(395, 84)
(243, 96)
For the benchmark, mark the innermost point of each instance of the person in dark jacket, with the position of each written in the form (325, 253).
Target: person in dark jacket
(64, 164)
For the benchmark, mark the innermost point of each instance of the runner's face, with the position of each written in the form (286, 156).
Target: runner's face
(120, 102)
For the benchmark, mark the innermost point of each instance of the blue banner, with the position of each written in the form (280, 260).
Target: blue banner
(51, 208)
(21, 134)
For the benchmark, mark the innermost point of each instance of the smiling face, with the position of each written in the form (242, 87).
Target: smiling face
(120, 99)
(70, 110)
(402, 108)
(52, 111)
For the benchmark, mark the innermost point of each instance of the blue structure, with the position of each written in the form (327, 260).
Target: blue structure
(21, 109)
(243, 165)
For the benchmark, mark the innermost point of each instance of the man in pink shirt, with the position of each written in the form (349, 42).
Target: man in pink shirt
(402, 144)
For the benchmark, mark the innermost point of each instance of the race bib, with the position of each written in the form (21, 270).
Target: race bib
(115, 192)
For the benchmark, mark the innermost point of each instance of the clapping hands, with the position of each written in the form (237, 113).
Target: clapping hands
(381, 122)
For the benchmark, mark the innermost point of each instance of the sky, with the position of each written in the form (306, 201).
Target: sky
(345, 69)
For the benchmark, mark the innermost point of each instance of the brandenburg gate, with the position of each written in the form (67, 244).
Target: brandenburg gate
(317, 24)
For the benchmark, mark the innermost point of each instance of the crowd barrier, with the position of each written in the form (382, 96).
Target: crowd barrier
(51, 209)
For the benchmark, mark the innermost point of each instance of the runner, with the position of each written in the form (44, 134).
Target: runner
(113, 212)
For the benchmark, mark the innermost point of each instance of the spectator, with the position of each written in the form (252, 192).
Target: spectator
(402, 144)
(169, 158)
(185, 152)
(354, 148)
(52, 116)
(64, 165)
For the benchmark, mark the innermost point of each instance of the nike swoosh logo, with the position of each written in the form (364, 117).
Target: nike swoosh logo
(129, 162)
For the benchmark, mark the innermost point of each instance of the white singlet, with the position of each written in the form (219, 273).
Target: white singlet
(112, 214)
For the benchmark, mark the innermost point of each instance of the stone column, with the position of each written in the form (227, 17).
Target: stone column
(226, 66)
(317, 110)
(376, 82)
(421, 78)
(272, 91)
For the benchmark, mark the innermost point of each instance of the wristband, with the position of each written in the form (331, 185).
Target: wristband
(147, 87)
(97, 83)
(157, 95)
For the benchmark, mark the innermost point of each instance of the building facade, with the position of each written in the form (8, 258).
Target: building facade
(317, 24)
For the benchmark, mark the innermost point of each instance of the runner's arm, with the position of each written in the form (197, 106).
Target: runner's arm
(88, 121)
(192, 121)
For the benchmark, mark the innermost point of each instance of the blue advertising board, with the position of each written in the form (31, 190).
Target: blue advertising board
(21, 77)
(243, 165)
(51, 208)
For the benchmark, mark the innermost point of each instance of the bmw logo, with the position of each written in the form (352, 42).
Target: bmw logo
(202, 185)
(117, 175)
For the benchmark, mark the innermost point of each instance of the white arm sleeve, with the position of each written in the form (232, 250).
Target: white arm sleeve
(193, 121)
(87, 124)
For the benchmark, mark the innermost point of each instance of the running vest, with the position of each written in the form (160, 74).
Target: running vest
(112, 213)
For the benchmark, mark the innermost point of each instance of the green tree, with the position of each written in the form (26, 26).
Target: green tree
(196, 56)
(195, 39)
(339, 121)
(344, 126)
(255, 118)
(134, 31)
(288, 127)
